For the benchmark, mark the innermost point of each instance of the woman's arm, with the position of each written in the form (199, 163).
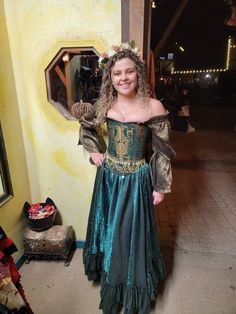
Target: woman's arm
(89, 137)
(160, 161)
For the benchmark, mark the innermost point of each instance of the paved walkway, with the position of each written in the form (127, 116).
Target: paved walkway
(200, 213)
(197, 225)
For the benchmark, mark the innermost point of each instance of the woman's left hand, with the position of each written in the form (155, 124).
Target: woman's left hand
(157, 197)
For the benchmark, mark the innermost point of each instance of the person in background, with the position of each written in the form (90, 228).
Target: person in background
(181, 120)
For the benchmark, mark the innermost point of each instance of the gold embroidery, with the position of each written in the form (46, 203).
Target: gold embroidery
(124, 166)
(123, 136)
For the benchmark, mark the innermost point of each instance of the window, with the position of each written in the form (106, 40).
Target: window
(5, 181)
(73, 81)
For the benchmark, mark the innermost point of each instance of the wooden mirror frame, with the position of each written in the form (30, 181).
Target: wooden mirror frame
(6, 192)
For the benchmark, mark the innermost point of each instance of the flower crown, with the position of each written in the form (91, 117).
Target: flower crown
(114, 49)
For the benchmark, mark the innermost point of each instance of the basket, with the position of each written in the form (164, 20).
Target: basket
(43, 223)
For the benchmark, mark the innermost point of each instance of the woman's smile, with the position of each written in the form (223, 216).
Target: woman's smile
(124, 77)
(125, 85)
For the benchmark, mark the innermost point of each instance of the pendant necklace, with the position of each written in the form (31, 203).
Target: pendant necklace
(123, 110)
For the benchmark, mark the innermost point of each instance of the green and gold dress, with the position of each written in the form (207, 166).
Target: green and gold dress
(122, 246)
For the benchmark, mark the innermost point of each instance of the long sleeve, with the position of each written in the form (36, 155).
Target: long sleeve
(160, 161)
(89, 135)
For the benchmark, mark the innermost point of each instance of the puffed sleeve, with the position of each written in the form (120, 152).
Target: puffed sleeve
(160, 161)
(89, 135)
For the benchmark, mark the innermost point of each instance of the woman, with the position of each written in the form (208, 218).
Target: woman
(122, 246)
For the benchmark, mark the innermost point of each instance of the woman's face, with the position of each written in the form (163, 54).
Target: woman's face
(124, 77)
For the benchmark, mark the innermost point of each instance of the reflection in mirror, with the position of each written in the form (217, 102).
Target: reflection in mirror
(6, 192)
(73, 81)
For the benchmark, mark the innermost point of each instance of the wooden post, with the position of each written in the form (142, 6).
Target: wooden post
(60, 74)
(68, 83)
(136, 25)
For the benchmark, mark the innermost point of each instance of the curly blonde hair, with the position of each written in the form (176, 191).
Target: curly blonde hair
(107, 91)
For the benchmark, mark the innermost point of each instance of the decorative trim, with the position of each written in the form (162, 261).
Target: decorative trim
(79, 244)
(20, 261)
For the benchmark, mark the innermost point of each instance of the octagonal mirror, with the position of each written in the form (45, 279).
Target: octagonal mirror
(73, 81)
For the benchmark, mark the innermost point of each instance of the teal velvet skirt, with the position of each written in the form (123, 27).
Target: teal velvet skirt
(122, 247)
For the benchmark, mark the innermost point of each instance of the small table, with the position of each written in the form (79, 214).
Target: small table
(56, 243)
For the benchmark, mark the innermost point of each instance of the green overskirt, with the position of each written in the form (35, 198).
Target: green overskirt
(122, 247)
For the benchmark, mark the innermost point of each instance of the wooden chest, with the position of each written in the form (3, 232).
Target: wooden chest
(57, 242)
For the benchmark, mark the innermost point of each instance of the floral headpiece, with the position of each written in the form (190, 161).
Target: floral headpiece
(114, 49)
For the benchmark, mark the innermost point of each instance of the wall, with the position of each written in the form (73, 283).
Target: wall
(10, 213)
(37, 29)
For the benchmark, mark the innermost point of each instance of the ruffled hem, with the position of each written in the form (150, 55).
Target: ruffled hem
(134, 299)
(155, 275)
(92, 265)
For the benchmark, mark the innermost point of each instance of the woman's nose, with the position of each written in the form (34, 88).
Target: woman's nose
(123, 76)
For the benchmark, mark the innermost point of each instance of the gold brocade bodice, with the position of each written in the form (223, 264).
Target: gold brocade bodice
(127, 140)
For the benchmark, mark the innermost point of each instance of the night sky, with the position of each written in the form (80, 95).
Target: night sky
(200, 30)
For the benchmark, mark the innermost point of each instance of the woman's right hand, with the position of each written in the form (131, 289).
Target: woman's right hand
(97, 158)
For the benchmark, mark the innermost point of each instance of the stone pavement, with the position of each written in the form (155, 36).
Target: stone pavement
(197, 226)
(200, 213)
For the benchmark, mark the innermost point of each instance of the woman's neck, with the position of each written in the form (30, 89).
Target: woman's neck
(128, 99)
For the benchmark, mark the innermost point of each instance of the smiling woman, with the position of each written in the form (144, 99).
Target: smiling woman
(5, 181)
(122, 246)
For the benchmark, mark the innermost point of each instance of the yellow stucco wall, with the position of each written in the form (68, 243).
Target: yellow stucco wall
(37, 29)
(10, 213)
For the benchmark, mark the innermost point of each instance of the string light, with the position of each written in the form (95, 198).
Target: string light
(154, 5)
(228, 57)
(197, 71)
(228, 53)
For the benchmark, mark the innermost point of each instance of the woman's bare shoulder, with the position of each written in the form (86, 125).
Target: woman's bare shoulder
(156, 107)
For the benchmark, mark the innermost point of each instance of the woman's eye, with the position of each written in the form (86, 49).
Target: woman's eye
(131, 71)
